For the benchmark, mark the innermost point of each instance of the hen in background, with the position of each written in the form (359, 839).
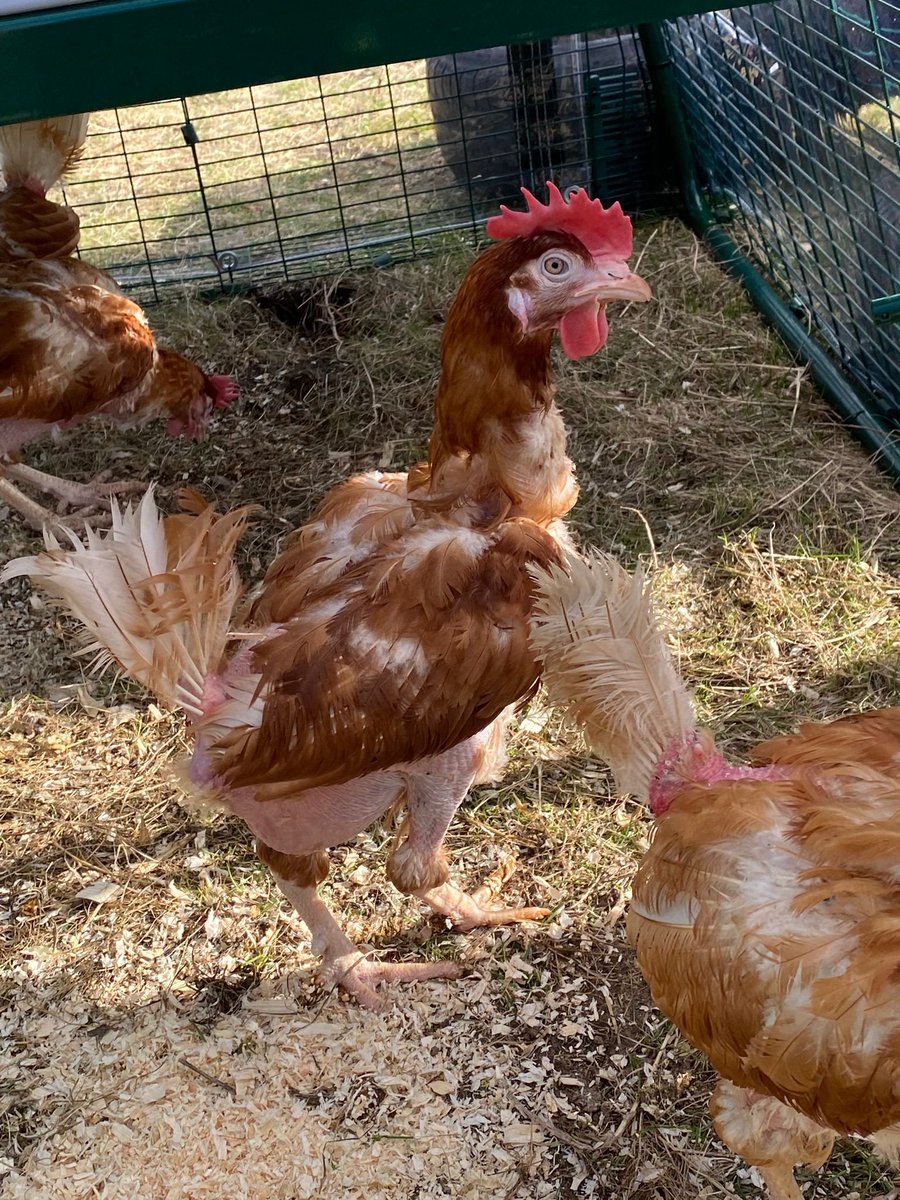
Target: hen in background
(389, 643)
(71, 345)
(766, 914)
(34, 156)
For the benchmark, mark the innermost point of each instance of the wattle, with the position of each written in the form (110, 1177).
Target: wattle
(584, 330)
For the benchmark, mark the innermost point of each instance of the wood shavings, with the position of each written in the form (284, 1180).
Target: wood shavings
(99, 892)
(160, 1111)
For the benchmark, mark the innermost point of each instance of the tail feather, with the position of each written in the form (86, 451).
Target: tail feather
(43, 150)
(606, 664)
(154, 594)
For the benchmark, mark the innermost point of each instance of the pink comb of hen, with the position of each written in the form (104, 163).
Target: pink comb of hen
(223, 389)
(602, 231)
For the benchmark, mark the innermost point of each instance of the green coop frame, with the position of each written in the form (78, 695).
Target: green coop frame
(86, 57)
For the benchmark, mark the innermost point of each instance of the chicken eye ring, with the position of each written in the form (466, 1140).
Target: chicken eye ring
(555, 265)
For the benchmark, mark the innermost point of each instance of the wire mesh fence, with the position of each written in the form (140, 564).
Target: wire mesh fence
(316, 175)
(794, 112)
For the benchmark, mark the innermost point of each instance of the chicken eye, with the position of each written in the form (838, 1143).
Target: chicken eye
(554, 265)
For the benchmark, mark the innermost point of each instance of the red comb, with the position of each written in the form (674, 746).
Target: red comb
(602, 231)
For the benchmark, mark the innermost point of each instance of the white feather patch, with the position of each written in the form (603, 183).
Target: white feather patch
(606, 664)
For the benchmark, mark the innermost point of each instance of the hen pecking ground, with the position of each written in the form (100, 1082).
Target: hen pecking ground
(163, 1036)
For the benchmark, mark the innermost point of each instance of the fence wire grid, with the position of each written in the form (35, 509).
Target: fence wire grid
(311, 176)
(794, 114)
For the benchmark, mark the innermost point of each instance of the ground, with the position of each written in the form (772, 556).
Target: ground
(164, 1033)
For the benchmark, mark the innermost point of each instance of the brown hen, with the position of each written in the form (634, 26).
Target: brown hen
(766, 914)
(35, 155)
(71, 345)
(389, 642)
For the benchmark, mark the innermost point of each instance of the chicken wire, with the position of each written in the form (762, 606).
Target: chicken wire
(793, 110)
(365, 167)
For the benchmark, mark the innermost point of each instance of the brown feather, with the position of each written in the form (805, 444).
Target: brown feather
(871, 738)
(403, 656)
(33, 227)
(766, 913)
(72, 346)
(734, 978)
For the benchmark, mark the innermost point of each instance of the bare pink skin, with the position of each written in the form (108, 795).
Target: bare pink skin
(687, 762)
(17, 432)
(34, 185)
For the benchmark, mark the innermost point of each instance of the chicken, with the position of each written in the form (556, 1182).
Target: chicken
(71, 345)
(766, 914)
(871, 739)
(34, 156)
(390, 639)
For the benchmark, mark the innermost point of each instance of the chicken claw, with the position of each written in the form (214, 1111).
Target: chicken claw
(87, 496)
(466, 912)
(343, 963)
(361, 976)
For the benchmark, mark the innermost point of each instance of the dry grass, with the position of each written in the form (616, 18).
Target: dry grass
(778, 558)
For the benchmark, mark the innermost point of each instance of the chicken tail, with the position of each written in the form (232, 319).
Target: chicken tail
(607, 666)
(42, 151)
(156, 595)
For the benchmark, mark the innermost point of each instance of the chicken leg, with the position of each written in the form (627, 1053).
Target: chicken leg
(769, 1135)
(68, 491)
(342, 962)
(35, 515)
(87, 495)
(435, 789)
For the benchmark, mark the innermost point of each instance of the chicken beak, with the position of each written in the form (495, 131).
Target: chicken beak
(630, 288)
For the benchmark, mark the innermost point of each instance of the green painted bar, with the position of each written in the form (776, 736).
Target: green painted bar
(96, 56)
(886, 308)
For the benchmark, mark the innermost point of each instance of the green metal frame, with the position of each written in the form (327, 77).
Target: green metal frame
(850, 403)
(119, 52)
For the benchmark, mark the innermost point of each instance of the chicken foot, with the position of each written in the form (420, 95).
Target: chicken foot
(434, 788)
(68, 491)
(34, 514)
(342, 962)
(769, 1135)
(466, 912)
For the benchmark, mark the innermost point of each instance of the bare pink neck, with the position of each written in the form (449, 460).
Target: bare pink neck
(34, 185)
(694, 761)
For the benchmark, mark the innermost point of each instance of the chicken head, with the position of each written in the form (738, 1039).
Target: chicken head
(580, 265)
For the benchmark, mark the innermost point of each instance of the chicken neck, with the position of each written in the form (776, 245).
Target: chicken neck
(499, 441)
(696, 760)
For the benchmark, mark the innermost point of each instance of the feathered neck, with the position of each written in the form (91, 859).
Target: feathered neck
(494, 412)
(490, 371)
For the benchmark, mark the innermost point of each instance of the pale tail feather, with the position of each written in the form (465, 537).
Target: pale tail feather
(887, 1143)
(606, 664)
(155, 595)
(44, 150)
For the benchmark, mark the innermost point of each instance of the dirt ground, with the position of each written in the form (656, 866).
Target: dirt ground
(163, 1033)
